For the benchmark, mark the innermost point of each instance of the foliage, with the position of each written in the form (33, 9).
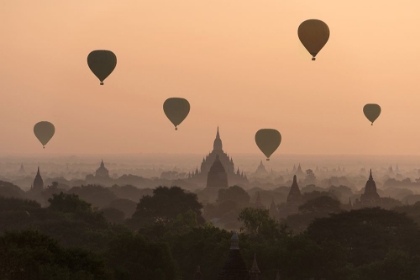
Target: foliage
(164, 207)
(31, 255)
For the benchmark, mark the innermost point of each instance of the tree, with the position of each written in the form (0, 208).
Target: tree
(257, 222)
(113, 215)
(164, 207)
(68, 203)
(310, 177)
(236, 194)
(32, 255)
(131, 256)
(323, 204)
(98, 196)
(368, 234)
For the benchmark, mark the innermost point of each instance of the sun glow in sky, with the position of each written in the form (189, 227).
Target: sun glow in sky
(239, 63)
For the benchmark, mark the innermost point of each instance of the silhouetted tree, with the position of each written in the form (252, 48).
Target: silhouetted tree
(32, 255)
(164, 207)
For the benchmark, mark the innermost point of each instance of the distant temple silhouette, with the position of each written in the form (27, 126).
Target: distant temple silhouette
(38, 184)
(234, 178)
(294, 200)
(261, 171)
(235, 267)
(21, 170)
(370, 197)
(216, 179)
(295, 196)
(102, 172)
(298, 172)
(217, 176)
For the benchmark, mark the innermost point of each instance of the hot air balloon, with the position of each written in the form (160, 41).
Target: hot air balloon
(44, 131)
(372, 112)
(176, 110)
(268, 140)
(102, 63)
(313, 34)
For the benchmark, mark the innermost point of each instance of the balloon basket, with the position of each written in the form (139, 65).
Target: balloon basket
(268, 159)
(313, 58)
(176, 128)
(102, 83)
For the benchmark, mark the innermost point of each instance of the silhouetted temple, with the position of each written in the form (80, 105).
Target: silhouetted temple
(235, 267)
(370, 196)
(197, 275)
(294, 200)
(294, 194)
(261, 171)
(234, 178)
(38, 184)
(300, 172)
(102, 172)
(217, 177)
(21, 170)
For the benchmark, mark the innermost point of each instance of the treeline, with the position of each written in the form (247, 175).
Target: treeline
(167, 238)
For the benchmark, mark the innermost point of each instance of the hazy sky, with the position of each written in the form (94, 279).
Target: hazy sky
(239, 63)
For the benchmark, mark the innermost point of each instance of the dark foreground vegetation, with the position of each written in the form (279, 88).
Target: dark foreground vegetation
(167, 238)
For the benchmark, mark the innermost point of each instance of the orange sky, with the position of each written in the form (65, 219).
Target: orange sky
(239, 63)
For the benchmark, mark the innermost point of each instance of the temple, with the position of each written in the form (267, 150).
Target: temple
(102, 172)
(234, 178)
(234, 267)
(261, 171)
(370, 196)
(294, 200)
(294, 196)
(38, 184)
(216, 179)
(21, 170)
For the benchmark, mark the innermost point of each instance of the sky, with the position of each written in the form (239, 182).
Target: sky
(240, 64)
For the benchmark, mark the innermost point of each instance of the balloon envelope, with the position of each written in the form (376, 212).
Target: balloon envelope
(102, 63)
(313, 34)
(44, 131)
(372, 112)
(176, 110)
(268, 140)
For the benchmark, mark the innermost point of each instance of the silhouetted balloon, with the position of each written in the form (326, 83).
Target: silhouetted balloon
(176, 109)
(372, 112)
(313, 34)
(102, 63)
(268, 140)
(44, 131)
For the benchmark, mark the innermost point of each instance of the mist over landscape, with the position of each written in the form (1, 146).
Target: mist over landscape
(209, 140)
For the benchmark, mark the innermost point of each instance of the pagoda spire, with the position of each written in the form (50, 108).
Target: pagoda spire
(234, 242)
(255, 271)
(217, 145)
(370, 175)
(197, 275)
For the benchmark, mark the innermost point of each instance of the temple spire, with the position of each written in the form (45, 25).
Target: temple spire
(254, 267)
(217, 145)
(370, 175)
(197, 275)
(234, 242)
